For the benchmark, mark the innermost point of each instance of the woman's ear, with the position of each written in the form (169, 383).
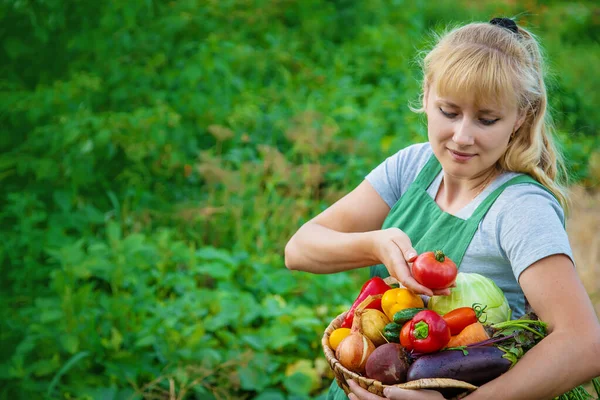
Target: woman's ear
(520, 120)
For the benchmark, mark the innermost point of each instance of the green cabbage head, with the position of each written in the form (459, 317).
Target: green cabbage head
(474, 288)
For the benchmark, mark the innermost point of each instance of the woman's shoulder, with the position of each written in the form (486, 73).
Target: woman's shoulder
(393, 176)
(411, 159)
(417, 150)
(529, 226)
(528, 193)
(527, 204)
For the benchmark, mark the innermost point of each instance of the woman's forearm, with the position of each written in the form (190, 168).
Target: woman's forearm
(317, 249)
(557, 364)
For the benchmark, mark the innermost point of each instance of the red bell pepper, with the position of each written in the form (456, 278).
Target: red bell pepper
(429, 332)
(372, 287)
(405, 336)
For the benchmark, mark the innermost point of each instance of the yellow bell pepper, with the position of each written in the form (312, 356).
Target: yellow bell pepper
(398, 299)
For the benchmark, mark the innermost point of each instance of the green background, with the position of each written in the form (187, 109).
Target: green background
(156, 156)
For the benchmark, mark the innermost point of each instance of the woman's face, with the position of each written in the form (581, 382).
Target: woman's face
(468, 140)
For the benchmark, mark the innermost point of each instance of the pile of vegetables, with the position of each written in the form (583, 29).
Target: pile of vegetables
(391, 336)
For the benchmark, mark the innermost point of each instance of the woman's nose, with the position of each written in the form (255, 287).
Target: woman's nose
(462, 135)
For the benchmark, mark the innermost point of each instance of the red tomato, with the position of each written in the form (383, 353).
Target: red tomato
(404, 336)
(459, 318)
(434, 270)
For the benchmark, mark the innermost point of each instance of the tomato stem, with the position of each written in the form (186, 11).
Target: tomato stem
(439, 255)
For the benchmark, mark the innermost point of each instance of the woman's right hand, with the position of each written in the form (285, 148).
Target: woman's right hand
(393, 248)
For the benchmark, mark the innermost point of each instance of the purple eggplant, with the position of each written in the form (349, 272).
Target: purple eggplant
(477, 366)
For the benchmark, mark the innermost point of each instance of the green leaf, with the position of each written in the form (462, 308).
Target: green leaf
(213, 254)
(115, 341)
(255, 341)
(252, 378)
(282, 282)
(145, 341)
(44, 367)
(215, 270)
(271, 394)
(64, 369)
(105, 393)
(70, 343)
(298, 383)
(203, 393)
(47, 316)
(280, 335)
(113, 232)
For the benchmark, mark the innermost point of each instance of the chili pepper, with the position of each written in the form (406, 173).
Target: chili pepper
(372, 287)
(459, 318)
(398, 299)
(428, 332)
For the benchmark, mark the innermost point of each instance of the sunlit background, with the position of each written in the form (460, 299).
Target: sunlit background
(156, 156)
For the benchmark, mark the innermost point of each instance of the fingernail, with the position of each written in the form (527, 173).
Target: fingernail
(386, 392)
(411, 256)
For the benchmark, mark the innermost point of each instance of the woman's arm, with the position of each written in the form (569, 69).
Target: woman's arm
(348, 235)
(570, 354)
(339, 238)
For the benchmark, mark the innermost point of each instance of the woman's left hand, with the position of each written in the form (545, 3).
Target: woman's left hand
(393, 393)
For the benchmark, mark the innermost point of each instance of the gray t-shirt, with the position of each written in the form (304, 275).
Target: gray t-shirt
(524, 225)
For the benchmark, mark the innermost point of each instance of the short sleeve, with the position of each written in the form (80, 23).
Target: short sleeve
(531, 227)
(393, 176)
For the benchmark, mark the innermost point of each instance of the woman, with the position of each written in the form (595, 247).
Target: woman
(483, 188)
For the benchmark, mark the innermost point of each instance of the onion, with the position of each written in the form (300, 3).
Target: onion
(354, 351)
(373, 322)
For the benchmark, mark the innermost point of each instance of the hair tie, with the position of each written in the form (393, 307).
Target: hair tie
(506, 23)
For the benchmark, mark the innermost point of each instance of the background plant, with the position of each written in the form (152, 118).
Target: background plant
(157, 156)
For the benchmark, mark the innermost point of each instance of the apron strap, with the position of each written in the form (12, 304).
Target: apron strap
(485, 205)
(429, 172)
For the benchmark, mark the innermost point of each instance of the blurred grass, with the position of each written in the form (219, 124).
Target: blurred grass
(156, 157)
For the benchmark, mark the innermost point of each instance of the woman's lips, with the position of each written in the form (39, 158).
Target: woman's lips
(462, 157)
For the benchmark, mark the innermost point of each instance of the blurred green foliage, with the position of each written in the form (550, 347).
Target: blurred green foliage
(156, 156)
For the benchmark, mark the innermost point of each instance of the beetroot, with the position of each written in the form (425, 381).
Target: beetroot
(388, 364)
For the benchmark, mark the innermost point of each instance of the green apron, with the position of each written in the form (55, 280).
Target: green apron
(429, 228)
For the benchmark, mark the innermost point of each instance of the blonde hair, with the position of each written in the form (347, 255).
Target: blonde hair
(492, 62)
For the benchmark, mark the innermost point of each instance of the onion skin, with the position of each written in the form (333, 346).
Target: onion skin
(372, 324)
(354, 351)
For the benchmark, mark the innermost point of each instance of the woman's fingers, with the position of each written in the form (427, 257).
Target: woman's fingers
(392, 393)
(410, 283)
(403, 242)
(441, 292)
(395, 393)
(358, 393)
(395, 251)
(400, 269)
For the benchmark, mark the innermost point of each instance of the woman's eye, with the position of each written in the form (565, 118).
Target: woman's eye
(449, 115)
(488, 122)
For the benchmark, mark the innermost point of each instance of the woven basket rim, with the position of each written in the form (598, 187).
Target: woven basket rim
(342, 373)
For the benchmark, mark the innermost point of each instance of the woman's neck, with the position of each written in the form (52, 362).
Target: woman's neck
(455, 193)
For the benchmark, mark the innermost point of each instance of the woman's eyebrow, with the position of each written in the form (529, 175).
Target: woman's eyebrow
(482, 111)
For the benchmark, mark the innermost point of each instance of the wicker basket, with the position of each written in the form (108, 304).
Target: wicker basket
(450, 388)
